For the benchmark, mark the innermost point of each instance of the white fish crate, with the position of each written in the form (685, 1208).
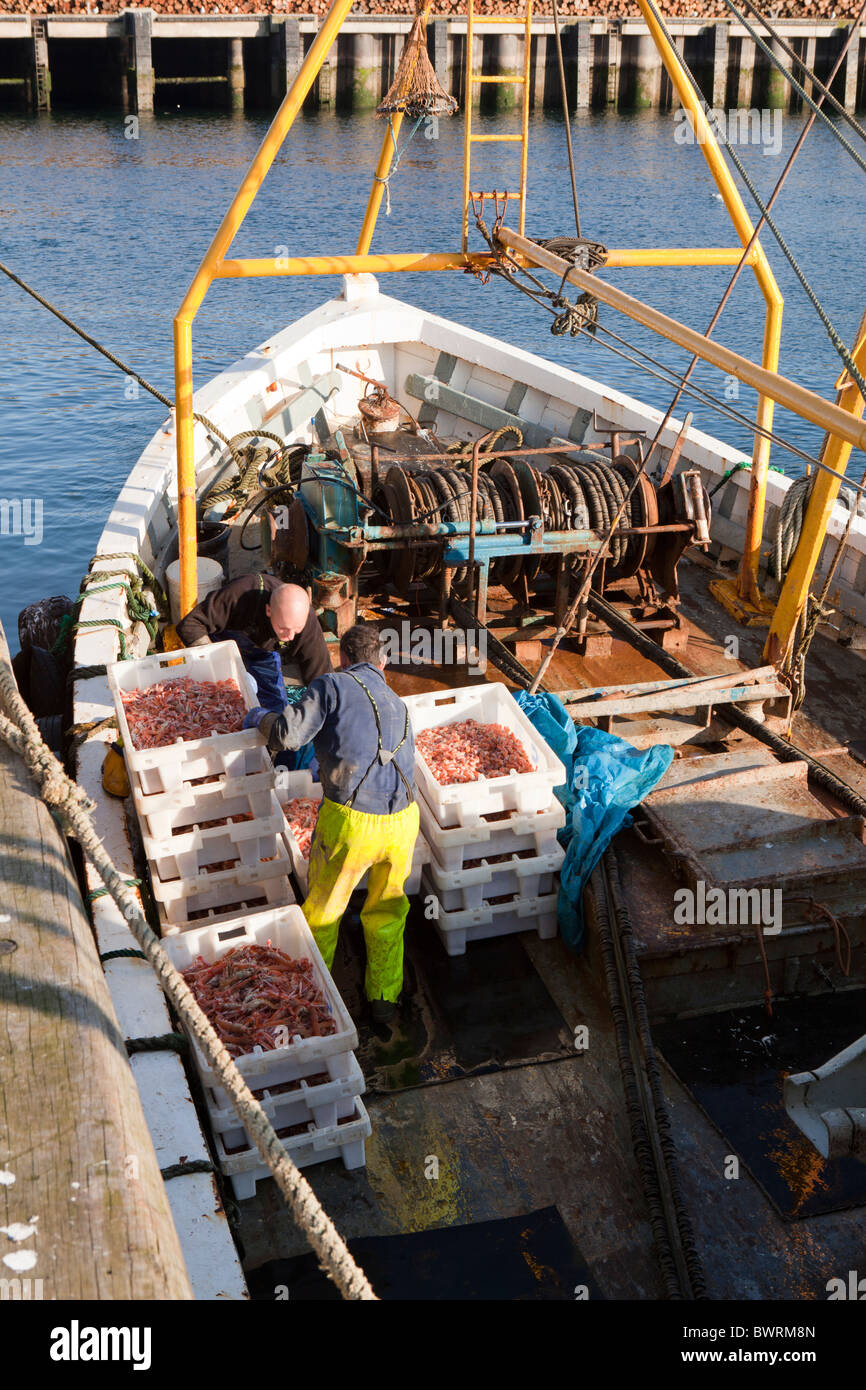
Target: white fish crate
(174, 897)
(459, 803)
(186, 857)
(508, 833)
(345, 1140)
(223, 896)
(161, 769)
(321, 1104)
(165, 814)
(285, 928)
(229, 756)
(459, 889)
(301, 784)
(497, 919)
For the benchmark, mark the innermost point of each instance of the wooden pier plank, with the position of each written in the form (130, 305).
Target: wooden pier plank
(72, 1129)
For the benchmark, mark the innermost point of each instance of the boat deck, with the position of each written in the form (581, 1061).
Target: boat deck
(531, 1133)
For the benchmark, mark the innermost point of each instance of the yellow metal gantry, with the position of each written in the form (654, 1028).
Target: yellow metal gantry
(839, 420)
(835, 454)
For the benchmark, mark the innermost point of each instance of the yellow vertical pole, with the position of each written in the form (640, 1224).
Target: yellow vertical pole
(243, 199)
(374, 202)
(767, 281)
(747, 579)
(825, 489)
(524, 131)
(467, 128)
(386, 156)
(186, 504)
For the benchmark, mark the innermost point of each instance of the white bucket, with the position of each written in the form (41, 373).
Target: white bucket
(210, 577)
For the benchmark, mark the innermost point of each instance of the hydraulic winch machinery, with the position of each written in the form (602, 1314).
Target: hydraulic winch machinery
(400, 512)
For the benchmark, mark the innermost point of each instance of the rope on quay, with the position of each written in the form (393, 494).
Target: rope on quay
(72, 808)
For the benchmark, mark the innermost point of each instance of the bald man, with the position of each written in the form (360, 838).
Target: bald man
(274, 626)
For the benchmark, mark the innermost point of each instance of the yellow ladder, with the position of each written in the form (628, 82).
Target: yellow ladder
(469, 139)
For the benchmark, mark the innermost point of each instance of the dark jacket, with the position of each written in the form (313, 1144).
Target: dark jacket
(338, 717)
(239, 606)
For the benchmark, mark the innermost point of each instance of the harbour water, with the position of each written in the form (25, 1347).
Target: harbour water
(109, 221)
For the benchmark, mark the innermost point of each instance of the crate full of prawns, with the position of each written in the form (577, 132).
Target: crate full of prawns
(176, 707)
(263, 984)
(476, 753)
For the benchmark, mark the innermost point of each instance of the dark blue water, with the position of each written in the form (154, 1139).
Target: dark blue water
(112, 230)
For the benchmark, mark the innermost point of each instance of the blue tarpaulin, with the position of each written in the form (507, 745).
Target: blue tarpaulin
(605, 777)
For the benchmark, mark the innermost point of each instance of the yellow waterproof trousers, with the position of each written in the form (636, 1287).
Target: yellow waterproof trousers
(346, 843)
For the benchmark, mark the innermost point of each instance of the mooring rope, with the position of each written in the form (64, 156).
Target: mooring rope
(71, 808)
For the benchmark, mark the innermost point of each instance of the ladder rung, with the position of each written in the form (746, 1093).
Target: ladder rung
(521, 80)
(503, 197)
(496, 139)
(478, 20)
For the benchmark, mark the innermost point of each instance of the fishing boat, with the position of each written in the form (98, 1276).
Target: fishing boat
(545, 1122)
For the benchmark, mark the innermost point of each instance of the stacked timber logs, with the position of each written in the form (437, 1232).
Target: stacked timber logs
(840, 10)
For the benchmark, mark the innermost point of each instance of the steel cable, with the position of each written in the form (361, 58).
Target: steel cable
(839, 346)
(790, 78)
(806, 70)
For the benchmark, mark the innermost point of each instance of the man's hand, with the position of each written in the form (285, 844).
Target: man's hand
(254, 718)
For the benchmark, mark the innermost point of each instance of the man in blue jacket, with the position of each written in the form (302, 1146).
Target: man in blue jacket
(368, 819)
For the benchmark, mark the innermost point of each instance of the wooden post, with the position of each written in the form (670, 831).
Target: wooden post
(584, 65)
(236, 74)
(851, 70)
(139, 66)
(439, 56)
(366, 71)
(508, 49)
(286, 54)
(777, 84)
(72, 1130)
(747, 72)
(809, 59)
(721, 45)
(538, 71)
(648, 74)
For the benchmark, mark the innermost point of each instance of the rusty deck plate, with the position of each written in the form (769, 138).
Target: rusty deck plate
(744, 820)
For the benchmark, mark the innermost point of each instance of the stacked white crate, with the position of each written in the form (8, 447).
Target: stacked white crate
(290, 1080)
(291, 785)
(172, 800)
(456, 822)
(311, 1082)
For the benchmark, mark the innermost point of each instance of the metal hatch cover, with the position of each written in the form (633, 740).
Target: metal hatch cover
(744, 820)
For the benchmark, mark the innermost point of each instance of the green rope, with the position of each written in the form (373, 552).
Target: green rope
(113, 955)
(104, 622)
(68, 627)
(100, 892)
(159, 1042)
(147, 575)
(138, 608)
(728, 473)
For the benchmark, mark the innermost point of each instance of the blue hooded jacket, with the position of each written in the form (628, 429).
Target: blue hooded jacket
(338, 717)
